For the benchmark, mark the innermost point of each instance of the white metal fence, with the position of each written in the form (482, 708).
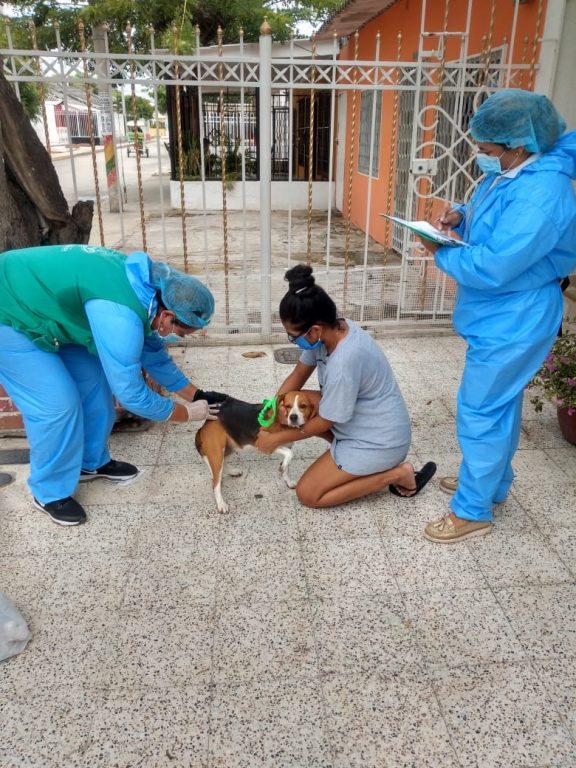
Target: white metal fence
(283, 199)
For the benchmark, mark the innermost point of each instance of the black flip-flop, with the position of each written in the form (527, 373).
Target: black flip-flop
(129, 422)
(426, 473)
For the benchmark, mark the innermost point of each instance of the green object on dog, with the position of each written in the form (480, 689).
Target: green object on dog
(268, 405)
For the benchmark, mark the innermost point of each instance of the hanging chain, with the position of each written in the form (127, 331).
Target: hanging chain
(350, 178)
(438, 103)
(523, 58)
(11, 47)
(179, 147)
(224, 170)
(487, 41)
(32, 28)
(393, 150)
(536, 41)
(91, 132)
(311, 152)
(138, 148)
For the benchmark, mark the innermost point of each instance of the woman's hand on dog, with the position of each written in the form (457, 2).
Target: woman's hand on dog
(267, 442)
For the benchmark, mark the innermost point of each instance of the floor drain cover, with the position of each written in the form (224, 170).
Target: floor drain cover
(287, 355)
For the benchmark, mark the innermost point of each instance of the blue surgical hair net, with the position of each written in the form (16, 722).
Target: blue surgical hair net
(518, 118)
(189, 299)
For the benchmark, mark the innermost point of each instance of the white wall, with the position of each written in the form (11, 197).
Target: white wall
(59, 136)
(563, 93)
(284, 195)
(555, 77)
(38, 126)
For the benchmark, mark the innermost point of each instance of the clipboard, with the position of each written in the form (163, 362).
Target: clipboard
(427, 231)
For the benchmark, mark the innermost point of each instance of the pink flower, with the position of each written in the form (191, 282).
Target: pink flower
(571, 411)
(559, 402)
(571, 382)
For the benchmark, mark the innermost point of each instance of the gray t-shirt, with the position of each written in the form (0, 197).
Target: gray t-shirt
(361, 397)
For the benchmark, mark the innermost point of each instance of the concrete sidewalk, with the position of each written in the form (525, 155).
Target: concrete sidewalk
(165, 634)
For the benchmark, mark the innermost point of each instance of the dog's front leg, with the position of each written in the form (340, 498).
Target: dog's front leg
(286, 452)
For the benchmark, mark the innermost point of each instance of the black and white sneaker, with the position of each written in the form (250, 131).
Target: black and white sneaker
(114, 470)
(63, 511)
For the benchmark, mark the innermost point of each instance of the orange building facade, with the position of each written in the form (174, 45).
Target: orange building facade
(447, 53)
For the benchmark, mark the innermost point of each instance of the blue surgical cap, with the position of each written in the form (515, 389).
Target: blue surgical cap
(189, 299)
(518, 118)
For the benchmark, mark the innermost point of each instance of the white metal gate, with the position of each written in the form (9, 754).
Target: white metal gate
(241, 233)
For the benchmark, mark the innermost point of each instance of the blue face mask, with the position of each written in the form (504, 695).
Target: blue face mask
(489, 164)
(305, 344)
(171, 338)
(302, 342)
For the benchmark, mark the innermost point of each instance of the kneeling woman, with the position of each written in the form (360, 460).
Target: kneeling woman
(361, 410)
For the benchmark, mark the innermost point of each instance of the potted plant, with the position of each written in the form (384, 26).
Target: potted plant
(556, 382)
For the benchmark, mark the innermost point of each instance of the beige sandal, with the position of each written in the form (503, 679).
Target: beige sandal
(444, 531)
(449, 484)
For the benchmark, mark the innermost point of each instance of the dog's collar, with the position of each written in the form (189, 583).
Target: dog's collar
(268, 405)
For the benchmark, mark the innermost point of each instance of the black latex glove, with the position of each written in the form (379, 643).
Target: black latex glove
(211, 397)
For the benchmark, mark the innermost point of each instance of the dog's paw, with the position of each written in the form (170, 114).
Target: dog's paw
(223, 508)
(235, 472)
(290, 483)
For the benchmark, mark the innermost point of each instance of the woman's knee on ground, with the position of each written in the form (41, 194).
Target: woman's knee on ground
(307, 495)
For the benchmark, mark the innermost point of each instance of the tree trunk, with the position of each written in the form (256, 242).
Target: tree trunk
(34, 209)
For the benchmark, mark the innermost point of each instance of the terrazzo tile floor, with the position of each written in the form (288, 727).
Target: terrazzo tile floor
(165, 634)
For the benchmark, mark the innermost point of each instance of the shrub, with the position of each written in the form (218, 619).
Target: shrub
(556, 379)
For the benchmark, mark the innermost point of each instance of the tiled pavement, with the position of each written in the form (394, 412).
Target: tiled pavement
(165, 634)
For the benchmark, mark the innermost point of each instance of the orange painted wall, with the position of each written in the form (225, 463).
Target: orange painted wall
(405, 17)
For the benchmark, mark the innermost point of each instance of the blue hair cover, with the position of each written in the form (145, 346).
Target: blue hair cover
(189, 299)
(518, 118)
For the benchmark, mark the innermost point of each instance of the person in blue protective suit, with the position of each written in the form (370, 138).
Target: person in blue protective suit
(520, 227)
(77, 326)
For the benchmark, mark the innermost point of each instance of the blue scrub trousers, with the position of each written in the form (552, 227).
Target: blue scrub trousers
(67, 408)
(489, 418)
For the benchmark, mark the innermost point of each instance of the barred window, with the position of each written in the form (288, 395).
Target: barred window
(366, 105)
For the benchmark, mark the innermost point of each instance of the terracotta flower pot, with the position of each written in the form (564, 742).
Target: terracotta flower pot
(567, 425)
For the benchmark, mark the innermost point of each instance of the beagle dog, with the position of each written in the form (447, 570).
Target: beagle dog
(237, 427)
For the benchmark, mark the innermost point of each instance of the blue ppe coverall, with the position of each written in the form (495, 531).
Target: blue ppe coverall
(65, 397)
(521, 230)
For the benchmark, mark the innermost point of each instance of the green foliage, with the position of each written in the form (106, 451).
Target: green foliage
(556, 379)
(162, 15)
(161, 97)
(44, 14)
(30, 100)
(229, 149)
(144, 109)
(191, 158)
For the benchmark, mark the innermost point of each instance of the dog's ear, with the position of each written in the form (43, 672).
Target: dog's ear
(281, 399)
(313, 409)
